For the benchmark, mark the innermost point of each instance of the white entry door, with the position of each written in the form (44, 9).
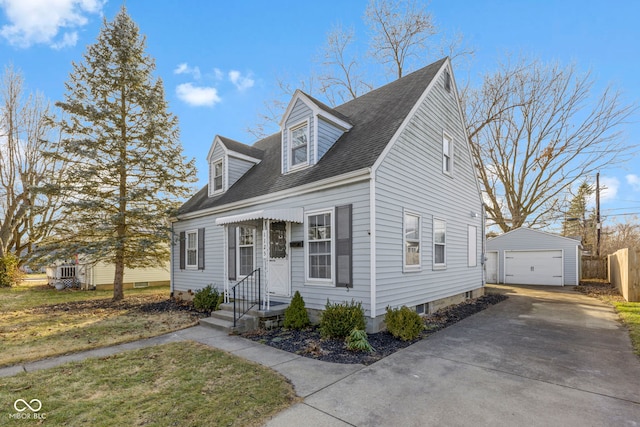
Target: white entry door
(491, 267)
(279, 267)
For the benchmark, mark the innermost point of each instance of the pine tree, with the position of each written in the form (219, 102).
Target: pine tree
(128, 171)
(577, 222)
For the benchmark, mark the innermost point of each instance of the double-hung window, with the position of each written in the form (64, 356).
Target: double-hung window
(320, 246)
(447, 154)
(246, 240)
(299, 144)
(192, 249)
(439, 243)
(217, 176)
(411, 241)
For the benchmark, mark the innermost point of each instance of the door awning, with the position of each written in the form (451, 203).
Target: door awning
(288, 215)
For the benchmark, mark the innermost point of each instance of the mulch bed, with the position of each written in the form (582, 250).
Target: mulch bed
(309, 343)
(142, 303)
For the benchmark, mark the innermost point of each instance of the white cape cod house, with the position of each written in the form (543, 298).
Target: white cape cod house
(375, 200)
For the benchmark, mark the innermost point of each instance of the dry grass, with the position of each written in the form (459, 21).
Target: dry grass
(186, 384)
(37, 321)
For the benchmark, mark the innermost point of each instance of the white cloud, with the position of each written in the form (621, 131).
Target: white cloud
(185, 69)
(241, 82)
(40, 21)
(608, 188)
(218, 73)
(634, 181)
(198, 96)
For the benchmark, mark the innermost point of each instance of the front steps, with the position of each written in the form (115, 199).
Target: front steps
(254, 319)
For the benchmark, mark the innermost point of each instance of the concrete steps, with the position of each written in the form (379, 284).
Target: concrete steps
(223, 319)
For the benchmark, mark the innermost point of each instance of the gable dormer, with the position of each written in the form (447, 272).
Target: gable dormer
(228, 161)
(309, 128)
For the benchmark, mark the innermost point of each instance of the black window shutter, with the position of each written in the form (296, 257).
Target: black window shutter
(183, 248)
(344, 247)
(201, 249)
(231, 252)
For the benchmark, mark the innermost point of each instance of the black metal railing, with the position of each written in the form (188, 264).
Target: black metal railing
(246, 293)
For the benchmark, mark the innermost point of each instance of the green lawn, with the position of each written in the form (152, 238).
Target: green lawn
(630, 314)
(185, 384)
(37, 321)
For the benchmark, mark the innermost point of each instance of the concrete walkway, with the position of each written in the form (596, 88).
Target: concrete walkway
(545, 357)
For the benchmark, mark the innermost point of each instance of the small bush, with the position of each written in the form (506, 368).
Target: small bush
(10, 274)
(207, 299)
(296, 316)
(338, 320)
(403, 323)
(357, 341)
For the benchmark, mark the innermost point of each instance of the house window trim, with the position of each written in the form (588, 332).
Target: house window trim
(405, 267)
(239, 275)
(215, 162)
(290, 130)
(313, 280)
(447, 137)
(439, 266)
(186, 249)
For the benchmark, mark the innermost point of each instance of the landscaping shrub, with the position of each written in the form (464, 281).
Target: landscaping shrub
(296, 316)
(207, 299)
(338, 320)
(403, 323)
(10, 274)
(357, 341)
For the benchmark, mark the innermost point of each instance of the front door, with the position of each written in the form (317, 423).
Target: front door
(279, 269)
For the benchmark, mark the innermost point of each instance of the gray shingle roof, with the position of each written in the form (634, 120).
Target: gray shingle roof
(241, 148)
(375, 116)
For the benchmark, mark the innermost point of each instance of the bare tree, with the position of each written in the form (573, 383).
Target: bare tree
(400, 31)
(28, 212)
(342, 79)
(535, 129)
(621, 235)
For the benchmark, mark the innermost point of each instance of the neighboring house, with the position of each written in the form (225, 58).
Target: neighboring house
(531, 257)
(99, 275)
(375, 200)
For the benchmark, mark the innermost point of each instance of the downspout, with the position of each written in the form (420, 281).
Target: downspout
(372, 242)
(484, 246)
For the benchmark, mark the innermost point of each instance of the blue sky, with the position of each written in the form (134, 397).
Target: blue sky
(219, 60)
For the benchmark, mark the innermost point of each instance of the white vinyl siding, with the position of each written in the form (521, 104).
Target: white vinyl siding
(412, 243)
(320, 246)
(192, 249)
(411, 178)
(315, 295)
(439, 243)
(327, 136)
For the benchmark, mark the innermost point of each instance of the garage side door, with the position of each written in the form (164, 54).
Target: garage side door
(492, 267)
(533, 267)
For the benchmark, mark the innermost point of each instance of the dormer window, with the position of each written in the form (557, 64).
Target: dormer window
(217, 176)
(299, 145)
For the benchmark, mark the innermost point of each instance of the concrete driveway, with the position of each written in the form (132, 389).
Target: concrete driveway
(545, 357)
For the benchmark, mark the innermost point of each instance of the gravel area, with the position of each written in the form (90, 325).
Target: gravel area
(308, 342)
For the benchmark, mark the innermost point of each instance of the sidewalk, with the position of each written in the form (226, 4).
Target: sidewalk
(544, 357)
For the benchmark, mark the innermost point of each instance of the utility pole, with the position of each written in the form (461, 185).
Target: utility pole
(598, 214)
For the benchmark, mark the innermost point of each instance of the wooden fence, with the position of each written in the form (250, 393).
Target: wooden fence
(594, 267)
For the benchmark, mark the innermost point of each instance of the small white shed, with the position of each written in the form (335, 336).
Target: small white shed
(530, 257)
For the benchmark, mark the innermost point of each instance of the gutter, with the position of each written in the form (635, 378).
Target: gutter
(336, 181)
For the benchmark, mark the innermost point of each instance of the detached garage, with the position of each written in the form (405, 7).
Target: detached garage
(530, 257)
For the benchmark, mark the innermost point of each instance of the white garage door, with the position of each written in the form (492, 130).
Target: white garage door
(492, 267)
(533, 267)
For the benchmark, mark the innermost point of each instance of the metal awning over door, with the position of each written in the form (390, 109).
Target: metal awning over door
(287, 215)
